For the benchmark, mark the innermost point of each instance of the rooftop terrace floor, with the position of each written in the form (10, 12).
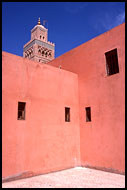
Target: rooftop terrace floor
(71, 178)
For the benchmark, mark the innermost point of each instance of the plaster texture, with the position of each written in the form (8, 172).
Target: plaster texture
(102, 141)
(43, 142)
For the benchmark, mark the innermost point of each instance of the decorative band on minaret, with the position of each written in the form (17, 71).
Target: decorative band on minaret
(39, 22)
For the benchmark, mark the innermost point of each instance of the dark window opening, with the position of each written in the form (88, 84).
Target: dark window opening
(88, 114)
(49, 54)
(43, 37)
(112, 62)
(42, 53)
(21, 110)
(67, 114)
(40, 37)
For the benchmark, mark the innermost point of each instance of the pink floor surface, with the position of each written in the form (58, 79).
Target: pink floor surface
(71, 178)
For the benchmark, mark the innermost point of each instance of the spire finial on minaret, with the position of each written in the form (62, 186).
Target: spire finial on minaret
(39, 22)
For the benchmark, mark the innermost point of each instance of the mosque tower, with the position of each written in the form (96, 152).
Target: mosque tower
(39, 48)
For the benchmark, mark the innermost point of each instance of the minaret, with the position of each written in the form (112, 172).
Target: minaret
(39, 48)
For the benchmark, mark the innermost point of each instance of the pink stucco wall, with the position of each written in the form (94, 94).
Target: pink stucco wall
(102, 141)
(43, 142)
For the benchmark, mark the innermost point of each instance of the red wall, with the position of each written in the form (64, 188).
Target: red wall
(102, 141)
(43, 142)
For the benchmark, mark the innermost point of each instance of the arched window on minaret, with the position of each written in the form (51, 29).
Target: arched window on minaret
(42, 53)
(50, 54)
(46, 54)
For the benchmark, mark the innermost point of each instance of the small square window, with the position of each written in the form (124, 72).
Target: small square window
(112, 62)
(21, 110)
(67, 114)
(88, 114)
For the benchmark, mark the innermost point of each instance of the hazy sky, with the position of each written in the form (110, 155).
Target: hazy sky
(69, 23)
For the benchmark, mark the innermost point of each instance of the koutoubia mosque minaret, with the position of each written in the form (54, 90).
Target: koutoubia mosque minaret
(39, 48)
